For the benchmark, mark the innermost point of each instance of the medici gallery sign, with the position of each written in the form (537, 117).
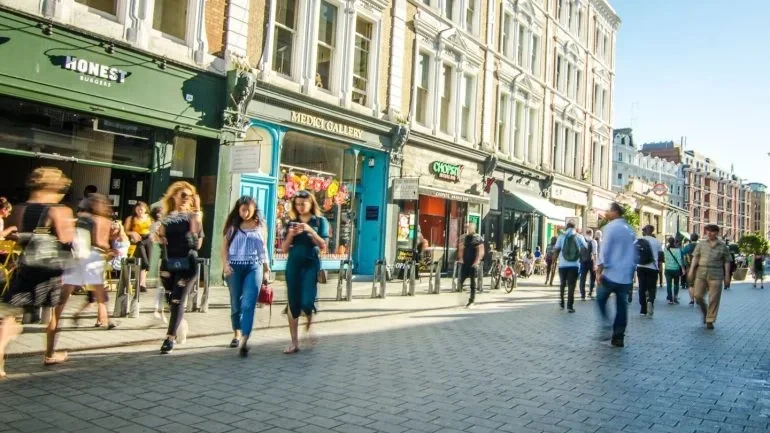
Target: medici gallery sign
(445, 171)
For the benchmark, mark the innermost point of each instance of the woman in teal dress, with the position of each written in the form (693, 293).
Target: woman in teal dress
(305, 238)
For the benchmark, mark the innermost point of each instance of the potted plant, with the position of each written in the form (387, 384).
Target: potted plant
(750, 245)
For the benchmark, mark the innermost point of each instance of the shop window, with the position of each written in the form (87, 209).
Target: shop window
(364, 31)
(326, 64)
(170, 17)
(183, 160)
(107, 6)
(329, 171)
(285, 33)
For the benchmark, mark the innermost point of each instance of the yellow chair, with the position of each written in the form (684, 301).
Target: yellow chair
(7, 267)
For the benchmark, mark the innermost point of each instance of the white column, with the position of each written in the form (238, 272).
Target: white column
(396, 71)
(346, 59)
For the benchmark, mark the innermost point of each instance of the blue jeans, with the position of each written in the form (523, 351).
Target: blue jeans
(244, 284)
(606, 288)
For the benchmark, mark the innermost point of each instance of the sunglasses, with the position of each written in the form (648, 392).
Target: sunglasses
(185, 195)
(303, 194)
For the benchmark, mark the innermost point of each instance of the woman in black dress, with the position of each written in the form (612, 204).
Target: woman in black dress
(180, 238)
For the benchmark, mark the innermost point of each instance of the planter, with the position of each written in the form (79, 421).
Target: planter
(740, 274)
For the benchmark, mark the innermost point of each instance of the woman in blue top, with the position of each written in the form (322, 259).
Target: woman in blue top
(305, 238)
(246, 267)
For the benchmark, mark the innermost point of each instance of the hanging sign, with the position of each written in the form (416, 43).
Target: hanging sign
(446, 171)
(406, 188)
(244, 158)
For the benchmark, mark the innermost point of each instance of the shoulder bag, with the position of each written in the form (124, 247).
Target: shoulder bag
(681, 268)
(43, 254)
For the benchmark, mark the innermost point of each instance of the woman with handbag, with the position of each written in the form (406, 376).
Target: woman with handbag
(179, 234)
(672, 257)
(46, 233)
(305, 238)
(244, 254)
(138, 230)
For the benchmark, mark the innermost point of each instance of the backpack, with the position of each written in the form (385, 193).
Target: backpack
(644, 252)
(587, 253)
(571, 250)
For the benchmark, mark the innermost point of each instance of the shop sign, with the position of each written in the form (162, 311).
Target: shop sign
(326, 125)
(95, 73)
(244, 158)
(406, 188)
(569, 195)
(660, 189)
(446, 171)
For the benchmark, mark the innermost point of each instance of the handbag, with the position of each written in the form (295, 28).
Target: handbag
(182, 264)
(43, 253)
(266, 298)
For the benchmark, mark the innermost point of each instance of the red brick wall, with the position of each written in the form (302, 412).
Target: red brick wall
(216, 26)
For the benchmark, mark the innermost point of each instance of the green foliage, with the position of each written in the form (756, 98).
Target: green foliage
(753, 244)
(631, 216)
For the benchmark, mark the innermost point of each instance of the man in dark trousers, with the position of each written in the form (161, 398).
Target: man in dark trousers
(587, 261)
(648, 269)
(470, 252)
(567, 252)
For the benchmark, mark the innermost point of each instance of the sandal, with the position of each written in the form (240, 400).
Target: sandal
(57, 358)
(291, 350)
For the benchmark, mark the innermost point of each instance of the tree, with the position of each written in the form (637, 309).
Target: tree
(629, 214)
(753, 244)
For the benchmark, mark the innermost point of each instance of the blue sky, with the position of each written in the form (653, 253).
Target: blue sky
(699, 69)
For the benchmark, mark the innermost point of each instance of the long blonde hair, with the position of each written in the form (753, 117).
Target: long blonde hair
(315, 209)
(168, 200)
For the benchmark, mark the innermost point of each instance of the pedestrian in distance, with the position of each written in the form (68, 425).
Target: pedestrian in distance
(674, 270)
(650, 256)
(550, 261)
(138, 227)
(687, 252)
(246, 267)
(567, 251)
(587, 261)
(709, 271)
(180, 238)
(759, 270)
(615, 271)
(306, 236)
(470, 252)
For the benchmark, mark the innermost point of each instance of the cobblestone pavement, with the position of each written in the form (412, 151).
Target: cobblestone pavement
(517, 365)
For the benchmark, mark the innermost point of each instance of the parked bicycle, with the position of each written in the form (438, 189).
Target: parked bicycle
(505, 268)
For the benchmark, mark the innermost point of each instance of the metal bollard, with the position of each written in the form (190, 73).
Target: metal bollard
(455, 277)
(349, 281)
(404, 290)
(339, 280)
(134, 270)
(377, 271)
(206, 268)
(437, 276)
(430, 279)
(123, 291)
(383, 278)
(413, 278)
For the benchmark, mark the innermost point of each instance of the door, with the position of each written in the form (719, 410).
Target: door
(260, 190)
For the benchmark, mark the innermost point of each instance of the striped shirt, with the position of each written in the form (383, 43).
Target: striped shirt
(247, 246)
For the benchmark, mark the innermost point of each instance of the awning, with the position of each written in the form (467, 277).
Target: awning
(539, 205)
(454, 196)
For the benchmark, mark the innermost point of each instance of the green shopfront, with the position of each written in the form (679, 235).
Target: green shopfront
(126, 122)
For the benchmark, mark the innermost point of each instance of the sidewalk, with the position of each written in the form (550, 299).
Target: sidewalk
(216, 321)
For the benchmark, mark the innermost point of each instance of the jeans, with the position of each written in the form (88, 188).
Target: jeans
(648, 285)
(468, 271)
(244, 284)
(586, 269)
(673, 276)
(568, 277)
(606, 288)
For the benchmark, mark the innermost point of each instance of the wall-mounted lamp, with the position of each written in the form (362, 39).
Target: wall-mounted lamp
(47, 28)
(110, 48)
(371, 162)
(162, 63)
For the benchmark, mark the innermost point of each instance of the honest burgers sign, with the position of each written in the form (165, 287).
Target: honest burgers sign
(446, 171)
(95, 73)
(326, 125)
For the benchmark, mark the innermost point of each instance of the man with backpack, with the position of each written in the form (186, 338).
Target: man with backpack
(650, 255)
(470, 253)
(567, 250)
(587, 261)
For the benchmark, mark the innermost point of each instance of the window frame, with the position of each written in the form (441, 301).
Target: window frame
(189, 25)
(120, 11)
(468, 83)
(429, 81)
(372, 66)
(336, 67)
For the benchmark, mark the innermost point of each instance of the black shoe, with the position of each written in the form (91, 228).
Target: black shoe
(167, 346)
(709, 325)
(617, 342)
(234, 343)
(142, 289)
(244, 352)
(570, 310)
(561, 305)
(470, 302)
(111, 325)
(582, 298)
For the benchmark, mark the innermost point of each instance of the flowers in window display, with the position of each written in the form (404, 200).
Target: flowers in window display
(291, 189)
(328, 204)
(281, 191)
(333, 188)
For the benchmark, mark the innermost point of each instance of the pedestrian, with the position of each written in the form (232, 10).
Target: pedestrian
(759, 270)
(587, 260)
(470, 252)
(87, 191)
(709, 270)
(244, 254)
(687, 252)
(305, 239)
(650, 256)
(615, 271)
(138, 229)
(550, 261)
(672, 258)
(5, 212)
(567, 252)
(87, 271)
(43, 213)
(179, 234)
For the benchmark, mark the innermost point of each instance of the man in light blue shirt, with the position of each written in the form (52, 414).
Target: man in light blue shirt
(615, 273)
(567, 249)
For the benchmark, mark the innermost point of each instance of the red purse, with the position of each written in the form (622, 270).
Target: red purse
(266, 298)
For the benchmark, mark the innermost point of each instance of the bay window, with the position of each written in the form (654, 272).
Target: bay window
(422, 89)
(285, 37)
(170, 18)
(327, 41)
(363, 45)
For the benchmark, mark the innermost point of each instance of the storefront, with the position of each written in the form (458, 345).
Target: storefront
(338, 157)
(571, 200)
(448, 196)
(123, 121)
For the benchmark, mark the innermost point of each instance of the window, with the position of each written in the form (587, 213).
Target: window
(421, 103)
(559, 73)
(285, 32)
(620, 176)
(532, 148)
(327, 39)
(518, 137)
(447, 83)
(470, 15)
(606, 48)
(579, 24)
(466, 118)
(108, 6)
(361, 61)
(449, 6)
(557, 160)
(520, 45)
(534, 61)
(578, 96)
(569, 154)
(502, 124)
(570, 86)
(505, 35)
(170, 17)
(605, 106)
